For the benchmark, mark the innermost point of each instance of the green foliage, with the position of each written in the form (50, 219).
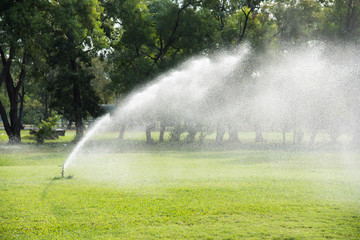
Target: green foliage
(33, 111)
(77, 37)
(296, 20)
(45, 129)
(20, 25)
(100, 82)
(62, 89)
(20, 46)
(155, 35)
(55, 43)
(341, 20)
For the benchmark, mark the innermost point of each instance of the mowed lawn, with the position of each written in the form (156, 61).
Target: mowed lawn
(168, 193)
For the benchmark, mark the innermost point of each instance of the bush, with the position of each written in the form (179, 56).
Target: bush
(45, 130)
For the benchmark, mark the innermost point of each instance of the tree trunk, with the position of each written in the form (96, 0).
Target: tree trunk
(190, 138)
(243, 29)
(122, 132)
(220, 132)
(313, 137)
(258, 133)
(79, 126)
(162, 132)
(175, 133)
(13, 135)
(46, 111)
(77, 103)
(22, 100)
(12, 127)
(149, 139)
(298, 137)
(233, 134)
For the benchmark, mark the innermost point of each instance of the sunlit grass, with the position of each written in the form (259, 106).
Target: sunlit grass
(175, 194)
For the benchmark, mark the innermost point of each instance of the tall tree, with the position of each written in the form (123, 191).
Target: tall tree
(22, 37)
(154, 36)
(77, 36)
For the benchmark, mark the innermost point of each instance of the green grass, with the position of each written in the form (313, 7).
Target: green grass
(30, 139)
(169, 193)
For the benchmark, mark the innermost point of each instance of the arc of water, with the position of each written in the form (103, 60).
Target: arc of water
(105, 120)
(190, 75)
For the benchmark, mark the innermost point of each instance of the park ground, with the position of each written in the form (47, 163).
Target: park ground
(134, 191)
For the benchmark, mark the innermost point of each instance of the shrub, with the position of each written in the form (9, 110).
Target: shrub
(45, 130)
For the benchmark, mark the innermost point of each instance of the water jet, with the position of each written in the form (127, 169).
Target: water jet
(303, 90)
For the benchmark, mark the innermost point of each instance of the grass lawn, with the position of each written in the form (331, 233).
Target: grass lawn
(169, 193)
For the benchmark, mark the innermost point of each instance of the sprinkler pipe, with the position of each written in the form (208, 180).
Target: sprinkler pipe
(62, 170)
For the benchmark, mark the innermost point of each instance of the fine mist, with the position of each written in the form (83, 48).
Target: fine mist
(303, 89)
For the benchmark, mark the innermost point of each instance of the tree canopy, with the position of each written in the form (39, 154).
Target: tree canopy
(61, 56)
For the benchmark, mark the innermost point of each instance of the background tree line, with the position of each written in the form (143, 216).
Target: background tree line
(69, 56)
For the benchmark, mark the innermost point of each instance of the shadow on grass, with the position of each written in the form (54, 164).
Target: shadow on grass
(46, 190)
(62, 178)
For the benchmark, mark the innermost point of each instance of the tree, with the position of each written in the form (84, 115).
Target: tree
(77, 36)
(296, 21)
(100, 82)
(341, 20)
(155, 35)
(233, 18)
(247, 8)
(22, 37)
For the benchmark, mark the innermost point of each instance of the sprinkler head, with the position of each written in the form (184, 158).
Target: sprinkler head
(62, 170)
